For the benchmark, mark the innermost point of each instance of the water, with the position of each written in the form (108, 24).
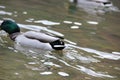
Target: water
(91, 33)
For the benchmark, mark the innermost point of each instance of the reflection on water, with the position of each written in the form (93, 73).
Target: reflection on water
(95, 7)
(75, 62)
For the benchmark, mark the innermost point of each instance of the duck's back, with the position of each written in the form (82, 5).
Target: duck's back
(24, 41)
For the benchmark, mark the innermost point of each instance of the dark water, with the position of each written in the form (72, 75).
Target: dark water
(91, 32)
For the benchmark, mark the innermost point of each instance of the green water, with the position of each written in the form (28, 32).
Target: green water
(90, 59)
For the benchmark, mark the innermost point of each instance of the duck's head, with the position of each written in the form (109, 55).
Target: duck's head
(9, 26)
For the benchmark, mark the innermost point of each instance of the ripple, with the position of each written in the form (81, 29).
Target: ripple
(16, 73)
(88, 71)
(46, 22)
(11, 48)
(31, 62)
(78, 23)
(1, 40)
(52, 64)
(46, 73)
(93, 73)
(67, 22)
(2, 6)
(117, 68)
(24, 12)
(34, 68)
(116, 53)
(92, 22)
(100, 54)
(63, 74)
(29, 20)
(50, 56)
(5, 13)
(74, 27)
(71, 42)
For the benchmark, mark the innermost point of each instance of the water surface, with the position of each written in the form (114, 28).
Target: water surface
(91, 35)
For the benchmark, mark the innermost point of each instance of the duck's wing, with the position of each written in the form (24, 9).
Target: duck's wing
(40, 36)
(32, 43)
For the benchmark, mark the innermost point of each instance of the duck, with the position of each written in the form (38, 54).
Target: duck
(104, 3)
(31, 39)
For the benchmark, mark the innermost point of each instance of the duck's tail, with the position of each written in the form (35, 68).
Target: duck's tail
(58, 45)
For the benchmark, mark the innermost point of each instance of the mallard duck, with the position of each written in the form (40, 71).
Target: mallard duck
(31, 38)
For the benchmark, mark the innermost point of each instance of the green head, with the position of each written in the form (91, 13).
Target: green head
(9, 26)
